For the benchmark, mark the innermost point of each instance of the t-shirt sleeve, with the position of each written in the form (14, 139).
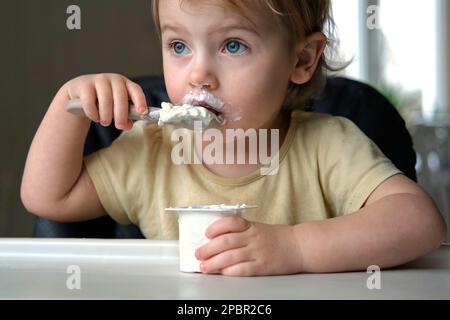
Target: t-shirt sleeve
(351, 166)
(116, 172)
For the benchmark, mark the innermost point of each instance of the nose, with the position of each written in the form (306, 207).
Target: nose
(202, 76)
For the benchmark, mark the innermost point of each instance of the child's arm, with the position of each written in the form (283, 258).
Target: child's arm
(398, 223)
(55, 184)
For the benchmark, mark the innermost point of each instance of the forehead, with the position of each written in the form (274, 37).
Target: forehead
(253, 13)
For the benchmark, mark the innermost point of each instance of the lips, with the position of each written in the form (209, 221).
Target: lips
(208, 101)
(206, 106)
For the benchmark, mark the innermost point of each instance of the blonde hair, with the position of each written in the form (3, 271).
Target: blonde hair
(300, 18)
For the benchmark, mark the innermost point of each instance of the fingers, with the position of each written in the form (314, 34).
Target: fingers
(105, 99)
(120, 96)
(227, 225)
(88, 99)
(228, 245)
(137, 95)
(220, 244)
(243, 269)
(225, 260)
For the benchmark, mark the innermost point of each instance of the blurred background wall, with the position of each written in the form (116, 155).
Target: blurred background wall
(39, 54)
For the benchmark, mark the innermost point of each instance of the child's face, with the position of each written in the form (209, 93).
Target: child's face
(246, 64)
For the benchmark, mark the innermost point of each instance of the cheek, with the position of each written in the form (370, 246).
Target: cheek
(262, 88)
(174, 83)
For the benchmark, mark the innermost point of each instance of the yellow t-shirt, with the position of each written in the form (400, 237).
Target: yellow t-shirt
(327, 168)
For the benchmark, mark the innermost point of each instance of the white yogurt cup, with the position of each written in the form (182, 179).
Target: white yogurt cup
(193, 222)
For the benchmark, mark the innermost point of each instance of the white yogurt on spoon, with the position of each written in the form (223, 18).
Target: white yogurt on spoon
(186, 113)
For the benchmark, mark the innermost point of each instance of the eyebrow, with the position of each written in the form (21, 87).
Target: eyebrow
(174, 28)
(238, 27)
(170, 28)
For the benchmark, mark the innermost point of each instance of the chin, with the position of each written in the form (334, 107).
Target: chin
(235, 125)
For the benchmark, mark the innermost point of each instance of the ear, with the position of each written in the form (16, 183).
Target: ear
(307, 55)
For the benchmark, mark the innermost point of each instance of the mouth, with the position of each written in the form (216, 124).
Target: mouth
(207, 101)
(206, 106)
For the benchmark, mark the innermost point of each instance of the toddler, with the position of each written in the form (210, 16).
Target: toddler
(332, 202)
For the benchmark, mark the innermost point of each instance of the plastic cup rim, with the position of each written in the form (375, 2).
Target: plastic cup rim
(208, 209)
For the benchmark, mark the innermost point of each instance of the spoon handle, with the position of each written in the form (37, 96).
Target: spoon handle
(74, 106)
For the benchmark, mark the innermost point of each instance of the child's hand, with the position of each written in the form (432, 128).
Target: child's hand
(106, 96)
(241, 248)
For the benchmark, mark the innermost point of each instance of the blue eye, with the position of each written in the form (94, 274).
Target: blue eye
(235, 47)
(179, 48)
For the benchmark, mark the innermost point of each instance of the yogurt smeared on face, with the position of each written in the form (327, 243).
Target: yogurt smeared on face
(185, 113)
